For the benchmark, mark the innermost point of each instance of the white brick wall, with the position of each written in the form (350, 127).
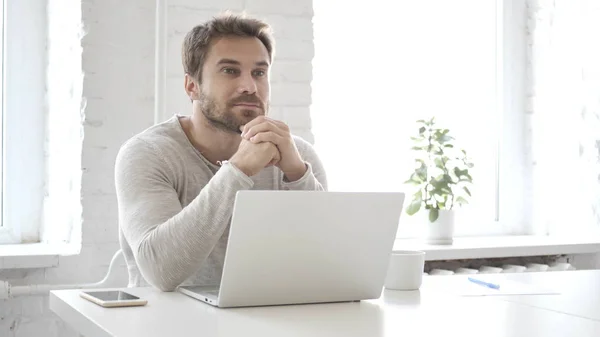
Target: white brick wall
(118, 62)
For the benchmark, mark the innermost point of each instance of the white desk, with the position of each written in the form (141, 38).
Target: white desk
(422, 313)
(580, 292)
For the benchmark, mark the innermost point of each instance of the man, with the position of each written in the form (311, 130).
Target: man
(176, 182)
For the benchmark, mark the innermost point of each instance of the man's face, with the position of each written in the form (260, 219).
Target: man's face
(235, 82)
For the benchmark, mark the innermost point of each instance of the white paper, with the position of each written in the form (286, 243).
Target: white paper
(507, 287)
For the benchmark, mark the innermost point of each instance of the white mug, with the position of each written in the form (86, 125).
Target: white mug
(405, 271)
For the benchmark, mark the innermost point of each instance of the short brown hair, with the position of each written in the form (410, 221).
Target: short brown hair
(197, 41)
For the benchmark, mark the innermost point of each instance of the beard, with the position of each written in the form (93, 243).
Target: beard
(224, 118)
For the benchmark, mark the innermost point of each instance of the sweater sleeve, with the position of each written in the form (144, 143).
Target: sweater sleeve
(170, 242)
(314, 179)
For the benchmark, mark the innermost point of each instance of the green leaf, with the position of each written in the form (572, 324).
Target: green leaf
(414, 179)
(412, 182)
(439, 163)
(435, 183)
(459, 173)
(418, 195)
(414, 207)
(417, 139)
(461, 201)
(421, 121)
(470, 165)
(442, 182)
(448, 145)
(422, 173)
(417, 148)
(433, 214)
(441, 189)
(448, 179)
(422, 130)
(467, 190)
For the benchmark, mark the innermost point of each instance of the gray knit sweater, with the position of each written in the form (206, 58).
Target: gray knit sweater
(175, 206)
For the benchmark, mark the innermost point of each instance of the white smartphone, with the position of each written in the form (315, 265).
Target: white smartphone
(113, 298)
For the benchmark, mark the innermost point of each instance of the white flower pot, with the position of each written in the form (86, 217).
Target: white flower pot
(441, 231)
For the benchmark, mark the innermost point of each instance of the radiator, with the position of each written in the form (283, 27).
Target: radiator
(506, 268)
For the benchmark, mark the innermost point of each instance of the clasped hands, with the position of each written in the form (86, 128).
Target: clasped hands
(267, 142)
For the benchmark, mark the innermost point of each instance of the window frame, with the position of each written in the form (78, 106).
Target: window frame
(23, 120)
(513, 182)
(512, 207)
(513, 175)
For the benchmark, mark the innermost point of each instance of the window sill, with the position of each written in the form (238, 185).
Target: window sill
(40, 255)
(502, 246)
(33, 255)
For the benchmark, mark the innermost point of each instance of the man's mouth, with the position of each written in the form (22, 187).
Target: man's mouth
(248, 105)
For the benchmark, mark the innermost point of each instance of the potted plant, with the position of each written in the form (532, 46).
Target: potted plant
(441, 180)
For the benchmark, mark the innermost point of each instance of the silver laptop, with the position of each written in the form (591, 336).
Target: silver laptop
(296, 247)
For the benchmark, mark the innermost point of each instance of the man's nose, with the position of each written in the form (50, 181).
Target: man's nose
(246, 85)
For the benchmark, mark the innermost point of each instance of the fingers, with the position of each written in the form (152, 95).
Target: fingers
(263, 124)
(276, 157)
(266, 130)
(252, 123)
(281, 125)
(266, 126)
(261, 128)
(268, 136)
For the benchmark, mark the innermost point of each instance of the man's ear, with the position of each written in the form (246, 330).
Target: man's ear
(192, 87)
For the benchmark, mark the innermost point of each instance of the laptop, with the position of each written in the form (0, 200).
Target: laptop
(300, 247)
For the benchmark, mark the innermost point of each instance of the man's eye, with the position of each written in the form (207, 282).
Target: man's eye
(230, 71)
(259, 73)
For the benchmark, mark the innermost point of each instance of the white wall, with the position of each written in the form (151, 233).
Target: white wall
(118, 62)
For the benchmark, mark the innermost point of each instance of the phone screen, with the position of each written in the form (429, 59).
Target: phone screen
(112, 295)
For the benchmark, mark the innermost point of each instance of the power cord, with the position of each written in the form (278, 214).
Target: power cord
(9, 291)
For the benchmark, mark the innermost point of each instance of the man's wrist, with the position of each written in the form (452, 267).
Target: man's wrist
(240, 167)
(295, 174)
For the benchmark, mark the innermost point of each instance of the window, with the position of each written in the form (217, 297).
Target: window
(460, 61)
(1, 110)
(23, 116)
